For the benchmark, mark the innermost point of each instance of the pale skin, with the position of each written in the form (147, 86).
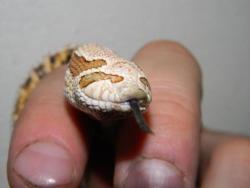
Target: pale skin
(170, 157)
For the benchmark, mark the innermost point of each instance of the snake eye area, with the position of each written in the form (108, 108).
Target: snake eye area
(134, 104)
(145, 82)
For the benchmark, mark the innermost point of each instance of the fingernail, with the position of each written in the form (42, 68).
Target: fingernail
(44, 164)
(154, 173)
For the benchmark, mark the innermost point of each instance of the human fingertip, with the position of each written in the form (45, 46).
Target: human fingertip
(43, 164)
(154, 173)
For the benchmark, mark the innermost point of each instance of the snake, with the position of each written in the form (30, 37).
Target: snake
(98, 82)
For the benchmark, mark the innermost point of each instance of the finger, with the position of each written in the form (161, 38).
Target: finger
(225, 160)
(167, 158)
(47, 147)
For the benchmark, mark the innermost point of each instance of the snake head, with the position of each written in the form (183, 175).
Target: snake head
(98, 81)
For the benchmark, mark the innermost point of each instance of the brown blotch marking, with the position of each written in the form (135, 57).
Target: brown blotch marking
(27, 83)
(97, 76)
(40, 71)
(24, 93)
(79, 64)
(61, 58)
(21, 101)
(145, 82)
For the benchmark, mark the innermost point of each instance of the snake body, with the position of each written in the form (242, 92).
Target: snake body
(97, 82)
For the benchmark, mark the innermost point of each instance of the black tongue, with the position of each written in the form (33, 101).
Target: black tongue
(138, 116)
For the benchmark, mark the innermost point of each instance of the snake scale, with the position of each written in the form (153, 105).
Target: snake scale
(97, 81)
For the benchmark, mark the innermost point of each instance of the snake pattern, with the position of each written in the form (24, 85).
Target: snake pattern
(97, 81)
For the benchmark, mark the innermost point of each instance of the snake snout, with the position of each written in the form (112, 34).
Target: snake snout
(136, 93)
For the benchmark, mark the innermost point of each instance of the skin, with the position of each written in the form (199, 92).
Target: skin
(195, 155)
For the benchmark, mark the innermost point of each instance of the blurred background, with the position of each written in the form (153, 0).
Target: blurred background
(216, 32)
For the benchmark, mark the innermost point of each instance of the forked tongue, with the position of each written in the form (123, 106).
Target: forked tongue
(138, 116)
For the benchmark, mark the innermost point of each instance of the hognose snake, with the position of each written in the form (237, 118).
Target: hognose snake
(97, 82)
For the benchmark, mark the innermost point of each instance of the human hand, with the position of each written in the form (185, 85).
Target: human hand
(52, 144)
